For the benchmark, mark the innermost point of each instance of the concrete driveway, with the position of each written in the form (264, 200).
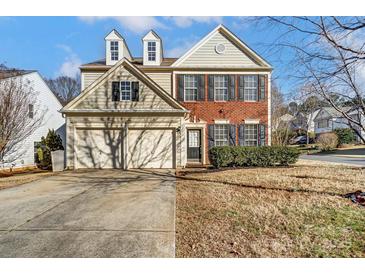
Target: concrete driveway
(94, 213)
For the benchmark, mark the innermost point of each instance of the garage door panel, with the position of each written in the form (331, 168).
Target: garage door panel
(99, 148)
(150, 148)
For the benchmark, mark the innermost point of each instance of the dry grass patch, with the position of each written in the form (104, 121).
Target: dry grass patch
(7, 181)
(271, 212)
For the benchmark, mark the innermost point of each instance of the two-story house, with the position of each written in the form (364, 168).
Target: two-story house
(158, 112)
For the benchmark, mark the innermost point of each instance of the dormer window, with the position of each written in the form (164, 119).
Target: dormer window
(151, 49)
(114, 50)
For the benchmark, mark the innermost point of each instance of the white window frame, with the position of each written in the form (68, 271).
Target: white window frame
(125, 91)
(218, 79)
(191, 88)
(219, 138)
(251, 138)
(320, 125)
(150, 50)
(114, 50)
(250, 88)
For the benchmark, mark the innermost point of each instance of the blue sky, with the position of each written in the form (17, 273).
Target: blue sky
(58, 45)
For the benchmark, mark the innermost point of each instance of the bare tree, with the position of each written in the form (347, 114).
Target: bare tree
(19, 117)
(65, 88)
(280, 127)
(328, 56)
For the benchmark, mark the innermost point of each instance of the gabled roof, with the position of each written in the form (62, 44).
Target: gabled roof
(153, 33)
(138, 73)
(233, 38)
(332, 112)
(9, 73)
(114, 31)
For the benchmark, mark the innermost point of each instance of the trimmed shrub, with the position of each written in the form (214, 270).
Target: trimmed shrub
(327, 141)
(252, 156)
(345, 135)
(51, 142)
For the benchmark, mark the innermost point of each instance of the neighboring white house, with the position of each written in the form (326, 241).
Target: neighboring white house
(328, 119)
(52, 119)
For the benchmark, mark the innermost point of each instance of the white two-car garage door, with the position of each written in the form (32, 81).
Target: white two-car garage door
(151, 148)
(103, 148)
(98, 148)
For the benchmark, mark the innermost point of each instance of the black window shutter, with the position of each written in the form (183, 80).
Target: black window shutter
(231, 87)
(262, 135)
(180, 87)
(262, 87)
(241, 135)
(241, 87)
(232, 135)
(115, 91)
(135, 91)
(201, 87)
(210, 136)
(211, 87)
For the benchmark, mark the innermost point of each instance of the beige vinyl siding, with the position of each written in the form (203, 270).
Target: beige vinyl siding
(89, 78)
(206, 56)
(162, 79)
(101, 97)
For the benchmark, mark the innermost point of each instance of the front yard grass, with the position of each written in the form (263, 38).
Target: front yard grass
(18, 178)
(271, 212)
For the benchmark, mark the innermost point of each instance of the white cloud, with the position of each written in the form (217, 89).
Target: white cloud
(71, 64)
(187, 21)
(183, 47)
(136, 24)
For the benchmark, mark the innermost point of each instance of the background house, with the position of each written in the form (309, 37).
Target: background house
(47, 102)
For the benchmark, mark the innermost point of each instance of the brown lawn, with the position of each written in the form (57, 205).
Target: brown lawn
(16, 178)
(271, 212)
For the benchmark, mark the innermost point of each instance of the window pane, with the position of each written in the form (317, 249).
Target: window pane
(250, 87)
(125, 91)
(151, 51)
(114, 46)
(220, 135)
(220, 88)
(190, 87)
(251, 135)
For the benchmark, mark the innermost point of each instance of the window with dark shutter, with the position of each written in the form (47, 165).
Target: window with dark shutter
(262, 135)
(211, 87)
(210, 136)
(231, 87)
(241, 135)
(135, 91)
(262, 89)
(232, 135)
(31, 111)
(180, 87)
(115, 91)
(201, 87)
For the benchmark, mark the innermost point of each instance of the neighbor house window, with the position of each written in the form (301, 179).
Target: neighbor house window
(125, 91)
(220, 88)
(114, 50)
(250, 88)
(323, 123)
(31, 111)
(251, 135)
(151, 51)
(221, 135)
(190, 87)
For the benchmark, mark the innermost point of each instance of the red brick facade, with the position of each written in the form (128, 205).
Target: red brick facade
(234, 111)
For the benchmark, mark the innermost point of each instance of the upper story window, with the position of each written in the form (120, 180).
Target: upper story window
(151, 51)
(190, 87)
(221, 135)
(125, 91)
(250, 88)
(251, 135)
(31, 111)
(220, 88)
(114, 50)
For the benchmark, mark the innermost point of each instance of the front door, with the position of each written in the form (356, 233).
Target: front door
(194, 145)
